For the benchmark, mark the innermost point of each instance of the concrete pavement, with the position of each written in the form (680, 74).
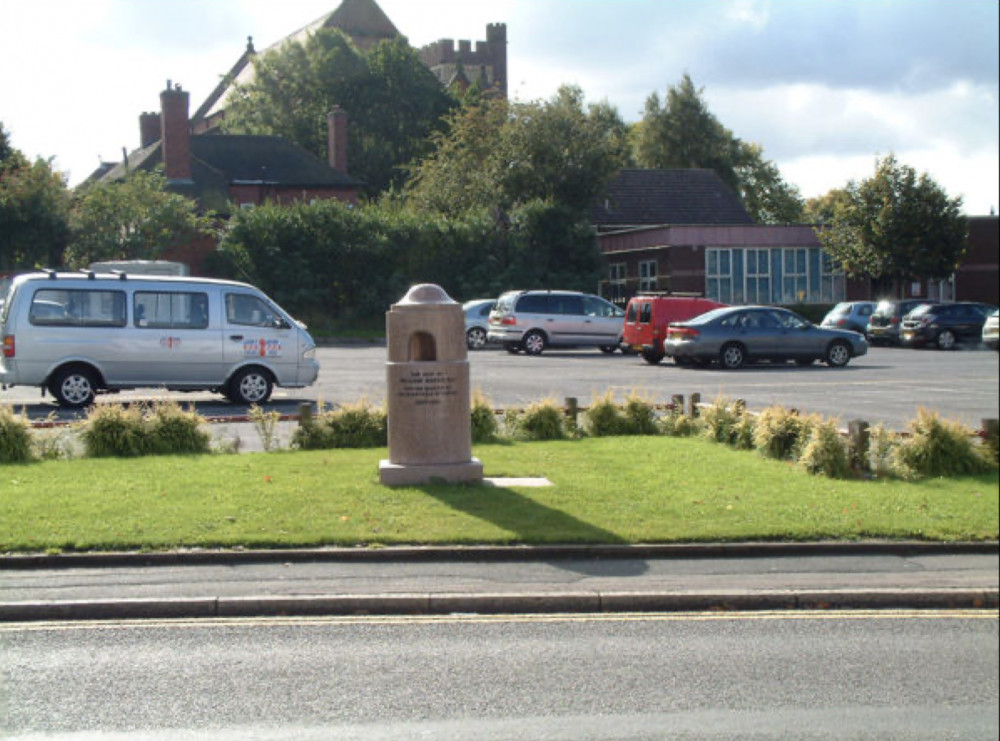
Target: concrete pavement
(491, 580)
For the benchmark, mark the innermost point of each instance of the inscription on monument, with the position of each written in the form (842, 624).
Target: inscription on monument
(426, 387)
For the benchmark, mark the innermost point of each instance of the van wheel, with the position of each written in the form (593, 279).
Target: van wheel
(250, 386)
(652, 357)
(74, 387)
(534, 342)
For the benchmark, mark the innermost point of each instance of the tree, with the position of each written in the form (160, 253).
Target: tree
(34, 211)
(895, 227)
(134, 219)
(682, 133)
(497, 155)
(394, 102)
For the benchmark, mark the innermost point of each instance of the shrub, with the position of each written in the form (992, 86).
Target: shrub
(605, 418)
(542, 420)
(358, 425)
(677, 424)
(826, 451)
(780, 432)
(882, 444)
(15, 437)
(940, 447)
(266, 425)
(115, 431)
(173, 431)
(727, 421)
(484, 422)
(640, 415)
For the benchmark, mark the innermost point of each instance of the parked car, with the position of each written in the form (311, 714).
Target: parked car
(883, 324)
(535, 320)
(852, 315)
(944, 324)
(647, 317)
(990, 331)
(477, 321)
(736, 335)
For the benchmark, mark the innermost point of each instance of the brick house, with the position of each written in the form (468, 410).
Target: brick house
(685, 231)
(222, 172)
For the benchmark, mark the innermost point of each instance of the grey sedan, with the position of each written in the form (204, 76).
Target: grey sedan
(737, 335)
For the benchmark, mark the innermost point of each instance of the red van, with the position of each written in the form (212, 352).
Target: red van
(647, 317)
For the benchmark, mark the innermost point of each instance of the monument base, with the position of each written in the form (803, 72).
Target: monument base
(394, 474)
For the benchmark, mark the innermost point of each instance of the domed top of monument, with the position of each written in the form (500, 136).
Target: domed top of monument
(426, 293)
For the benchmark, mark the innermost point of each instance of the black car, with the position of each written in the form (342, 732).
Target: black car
(883, 324)
(945, 324)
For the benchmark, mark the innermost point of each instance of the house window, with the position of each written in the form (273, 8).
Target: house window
(616, 281)
(719, 275)
(758, 276)
(832, 281)
(647, 276)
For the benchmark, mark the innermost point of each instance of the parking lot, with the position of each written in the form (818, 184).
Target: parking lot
(887, 385)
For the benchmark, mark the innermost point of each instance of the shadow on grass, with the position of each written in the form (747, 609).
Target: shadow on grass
(532, 523)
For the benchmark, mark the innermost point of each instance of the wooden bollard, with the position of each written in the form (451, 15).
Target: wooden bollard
(991, 431)
(305, 413)
(859, 433)
(693, 404)
(572, 410)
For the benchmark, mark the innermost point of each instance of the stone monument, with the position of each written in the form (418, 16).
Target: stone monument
(427, 376)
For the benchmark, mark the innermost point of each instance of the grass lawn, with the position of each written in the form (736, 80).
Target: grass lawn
(606, 490)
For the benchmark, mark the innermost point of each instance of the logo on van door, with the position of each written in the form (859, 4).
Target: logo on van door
(170, 342)
(262, 348)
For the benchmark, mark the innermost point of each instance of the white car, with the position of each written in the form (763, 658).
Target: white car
(477, 321)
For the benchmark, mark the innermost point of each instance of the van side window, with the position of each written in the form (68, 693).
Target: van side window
(62, 307)
(170, 310)
(242, 308)
(646, 315)
(533, 304)
(597, 307)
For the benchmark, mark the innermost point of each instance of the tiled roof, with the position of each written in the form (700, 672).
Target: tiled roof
(647, 197)
(221, 160)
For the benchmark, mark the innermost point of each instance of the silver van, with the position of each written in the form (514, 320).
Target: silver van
(534, 320)
(79, 334)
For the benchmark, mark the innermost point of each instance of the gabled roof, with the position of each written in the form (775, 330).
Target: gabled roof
(360, 20)
(664, 197)
(221, 160)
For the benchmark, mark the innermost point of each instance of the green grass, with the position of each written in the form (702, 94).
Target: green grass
(607, 490)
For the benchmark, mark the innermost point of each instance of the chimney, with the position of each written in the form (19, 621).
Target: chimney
(336, 122)
(149, 129)
(176, 134)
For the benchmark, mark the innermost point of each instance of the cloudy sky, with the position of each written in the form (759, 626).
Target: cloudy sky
(824, 86)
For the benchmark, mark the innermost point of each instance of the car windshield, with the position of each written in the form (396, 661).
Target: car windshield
(922, 309)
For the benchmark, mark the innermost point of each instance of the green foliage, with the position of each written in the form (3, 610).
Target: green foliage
(134, 219)
(114, 430)
(728, 422)
(15, 438)
(676, 423)
(266, 425)
(826, 452)
(497, 154)
(358, 425)
(636, 417)
(541, 420)
(394, 102)
(485, 428)
(34, 211)
(895, 226)
(939, 447)
(680, 132)
(780, 432)
(641, 415)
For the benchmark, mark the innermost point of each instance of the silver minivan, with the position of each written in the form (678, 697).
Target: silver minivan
(534, 320)
(79, 334)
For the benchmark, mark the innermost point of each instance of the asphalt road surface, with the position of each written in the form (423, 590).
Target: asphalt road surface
(886, 674)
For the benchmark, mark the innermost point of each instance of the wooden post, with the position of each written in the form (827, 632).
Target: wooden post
(991, 431)
(572, 410)
(693, 404)
(860, 435)
(305, 413)
(677, 400)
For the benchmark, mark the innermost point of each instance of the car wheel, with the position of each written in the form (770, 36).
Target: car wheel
(533, 342)
(475, 338)
(652, 357)
(838, 354)
(250, 386)
(74, 388)
(946, 340)
(732, 356)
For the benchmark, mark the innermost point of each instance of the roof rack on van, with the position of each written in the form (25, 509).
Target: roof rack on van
(89, 273)
(50, 272)
(678, 294)
(122, 275)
